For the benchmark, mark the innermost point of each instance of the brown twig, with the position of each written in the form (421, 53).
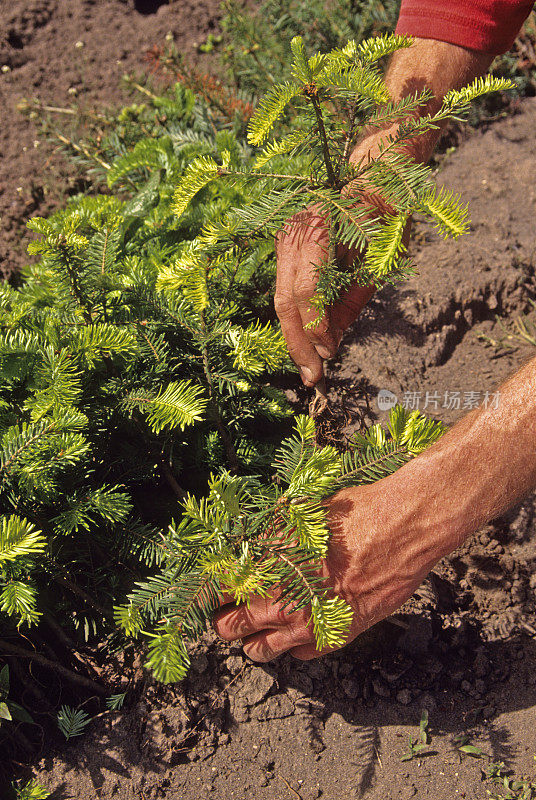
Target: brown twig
(75, 589)
(72, 677)
(172, 481)
(289, 787)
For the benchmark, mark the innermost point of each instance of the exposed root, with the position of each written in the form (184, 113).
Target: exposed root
(320, 403)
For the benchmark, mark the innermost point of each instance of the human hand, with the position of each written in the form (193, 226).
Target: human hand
(302, 245)
(372, 563)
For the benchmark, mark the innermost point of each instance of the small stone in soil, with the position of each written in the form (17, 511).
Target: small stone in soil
(381, 689)
(234, 663)
(404, 697)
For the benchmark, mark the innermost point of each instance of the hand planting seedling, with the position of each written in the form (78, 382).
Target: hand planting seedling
(248, 536)
(135, 359)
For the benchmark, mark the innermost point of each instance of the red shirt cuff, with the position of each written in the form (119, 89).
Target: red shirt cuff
(489, 26)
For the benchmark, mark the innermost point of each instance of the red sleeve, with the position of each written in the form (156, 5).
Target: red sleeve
(489, 26)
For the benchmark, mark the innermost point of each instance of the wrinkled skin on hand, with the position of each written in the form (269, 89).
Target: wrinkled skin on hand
(302, 245)
(368, 564)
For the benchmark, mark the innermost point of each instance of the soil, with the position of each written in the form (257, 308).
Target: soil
(65, 51)
(464, 647)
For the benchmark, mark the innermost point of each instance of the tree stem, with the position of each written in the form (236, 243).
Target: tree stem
(232, 457)
(73, 677)
(172, 481)
(324, 139)
(75, 589)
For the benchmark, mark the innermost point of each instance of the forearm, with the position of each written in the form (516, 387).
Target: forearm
(427, 64)
(481, 467)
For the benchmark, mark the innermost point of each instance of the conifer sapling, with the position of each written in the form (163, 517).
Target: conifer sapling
(247, 535)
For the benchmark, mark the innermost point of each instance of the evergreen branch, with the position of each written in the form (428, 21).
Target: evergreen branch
(18, 599)
(381, 460)
(293, 567)
(285, 145)
(332, 618)
(456, 99)
(269, 110)
(355, 220)
(384, 249)
(378, 47)
(451, 217)
(29, 435)
(197, 175)
(72, 722)
(18, 537)
(168, 657)
(177, 405)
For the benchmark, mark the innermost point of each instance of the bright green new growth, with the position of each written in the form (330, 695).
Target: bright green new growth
(126, 375)
(320, 112)
(248, 538)
(30, 791)
(19, 543)
(136, 357)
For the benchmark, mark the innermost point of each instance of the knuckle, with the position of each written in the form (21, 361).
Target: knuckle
(304, 288)
(283, 304)
(227, 626)
(219, 628)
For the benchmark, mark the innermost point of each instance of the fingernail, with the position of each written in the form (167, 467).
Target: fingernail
(306, 374)
(322, 351)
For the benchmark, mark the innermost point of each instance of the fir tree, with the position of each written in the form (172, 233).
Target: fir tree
(121, 389)
(248, 536)
(136, 355)
(331, 99)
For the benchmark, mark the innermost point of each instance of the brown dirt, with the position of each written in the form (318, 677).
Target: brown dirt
(39, 59)
(422, 337)
(464, 646)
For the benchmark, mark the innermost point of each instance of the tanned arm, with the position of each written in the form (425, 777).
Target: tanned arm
(388, 535)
